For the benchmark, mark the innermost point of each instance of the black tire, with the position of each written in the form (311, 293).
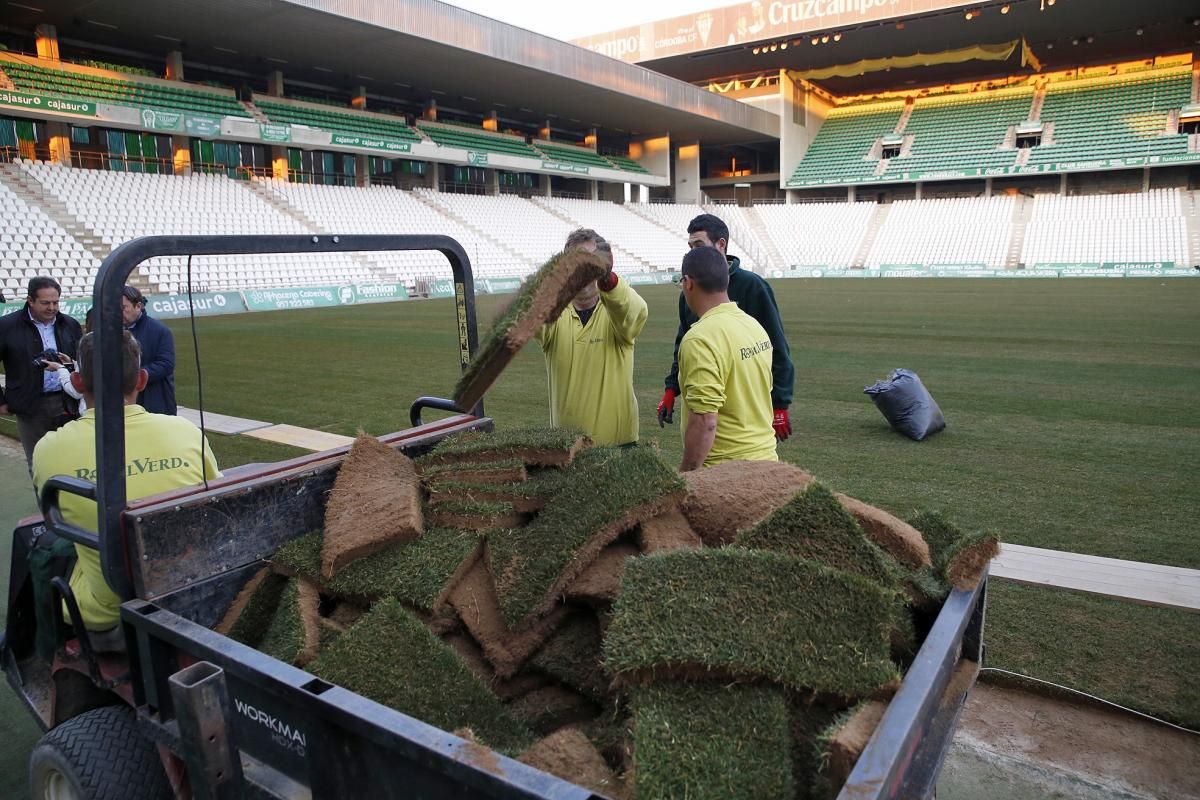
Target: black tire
(98, 755)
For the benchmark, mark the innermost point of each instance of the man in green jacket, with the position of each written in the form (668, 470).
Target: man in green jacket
(753, 295)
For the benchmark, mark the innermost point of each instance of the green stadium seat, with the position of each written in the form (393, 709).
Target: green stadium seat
(338, 121)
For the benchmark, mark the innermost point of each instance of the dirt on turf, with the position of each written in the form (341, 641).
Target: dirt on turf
(965, 569)
(848, 743)
(724, 499)
(667, 532)
(569, 754)
(601, 581)
(897, 537)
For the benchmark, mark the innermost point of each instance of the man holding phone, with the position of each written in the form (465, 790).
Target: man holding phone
(32, 390)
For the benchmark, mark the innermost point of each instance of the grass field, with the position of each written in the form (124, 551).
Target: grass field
(1071, 405)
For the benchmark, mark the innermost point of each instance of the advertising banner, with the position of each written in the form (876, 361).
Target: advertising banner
(370, 143)
(441, 288)
(748, 22)
(305, 297)
(202, 125)
(204, 304)
(558, 166)
(379, 292)
(38, 102)
(497, 285)
(274, 133)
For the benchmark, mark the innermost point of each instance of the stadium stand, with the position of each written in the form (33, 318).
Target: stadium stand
(571, 154)
(122, 91)
(343, 209)
(122, 206)
(650, 246)
(1143, 226)
(472, 138)
(33, 244)
(972, 230)
(627, 164)
(812, 234)
(336, 121)
(962, 133)
(1118, 117)
(840, 150)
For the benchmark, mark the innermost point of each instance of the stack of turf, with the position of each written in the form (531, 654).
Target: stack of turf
(594, 613)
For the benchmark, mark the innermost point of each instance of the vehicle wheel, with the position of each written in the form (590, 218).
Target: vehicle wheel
(98, 755)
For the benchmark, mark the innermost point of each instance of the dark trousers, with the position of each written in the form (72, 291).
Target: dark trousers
(32, 427)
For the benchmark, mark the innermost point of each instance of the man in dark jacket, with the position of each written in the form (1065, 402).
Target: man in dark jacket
(754, 296)
(33, 393)
(158, 353)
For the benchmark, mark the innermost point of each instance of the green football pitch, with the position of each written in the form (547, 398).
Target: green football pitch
(1071, 405)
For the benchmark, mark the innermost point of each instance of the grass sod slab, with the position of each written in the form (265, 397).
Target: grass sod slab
(472, 655)
(239, 604)
(572, 657)
(814, 525)
(375, 501)
(541, 299)
(600, 583)
(568, 754)
(667, 532)
(840, 744)
(809, 721)
(293, 634)
(503, 471)
(701, 741)
(258, 611)
(390, 657)
(616, 490)
(730, 497)
(958, 557)
(552, 707)
(737, 613)
(442, 492)
(420, 573)
(532, 446)
(475, 515)
(474, 598)
(899, 539)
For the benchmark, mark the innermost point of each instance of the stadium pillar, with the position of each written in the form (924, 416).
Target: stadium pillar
(362, 170)
(1062, 184)
(653, 153)
(181, 147)
(47, 41)
(493, 182)
(917, 189)
(851, 194)
(987, 187)
(60, 142)
(174, 65)
(430, 112)
(275, 84)
(686, 178)
(594, 190)
(359, 100)
(544, 185)
(279, 163)
(643, 194)
(1145, 179)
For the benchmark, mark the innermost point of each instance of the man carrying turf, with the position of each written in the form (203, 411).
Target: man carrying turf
(724, 371)
(589, 354)
(161, 453)
(752, 295)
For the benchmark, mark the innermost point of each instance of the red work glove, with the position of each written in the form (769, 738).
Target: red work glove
(608, 282)
(666, 408)
(781, 424)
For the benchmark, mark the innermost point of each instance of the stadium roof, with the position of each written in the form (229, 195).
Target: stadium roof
(410, 48)
(1058, 34)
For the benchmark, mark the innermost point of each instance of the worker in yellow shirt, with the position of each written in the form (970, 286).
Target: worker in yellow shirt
(589, 354)
(724, 371)
(161, 453)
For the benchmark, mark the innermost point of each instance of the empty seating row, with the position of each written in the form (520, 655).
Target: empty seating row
(337, 121)
(1144, 226)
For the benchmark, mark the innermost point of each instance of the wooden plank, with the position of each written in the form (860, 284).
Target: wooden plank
(301, 437)
(1139, 582)
(222, 423)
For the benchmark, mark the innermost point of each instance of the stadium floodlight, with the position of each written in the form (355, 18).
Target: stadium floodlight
(774, 47)
(825, 39)
(815, 40)
(970, 15)
(837, 37)
(1005, 9)
(783, 46)
(755, 51)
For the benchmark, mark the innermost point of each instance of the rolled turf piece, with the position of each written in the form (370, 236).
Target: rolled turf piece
(814, 525)
(701, 741)
(736, 495)
(901, 540)
(390, 657)
(568, 754)
(540, 300)
(667, 532)
(572, 657)
(474, 515)
(549, 708)
(257, 610)
(959, 558)
(240, 603)
(521, 501)
(607, 493)
(293, 635)
(599, 584)
(420, 573)
(840, 745)
(545, 447)
(734, 613)
(376, 501)
(504, 471)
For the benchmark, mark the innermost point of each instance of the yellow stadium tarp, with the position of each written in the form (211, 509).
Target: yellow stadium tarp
(1000, 51)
